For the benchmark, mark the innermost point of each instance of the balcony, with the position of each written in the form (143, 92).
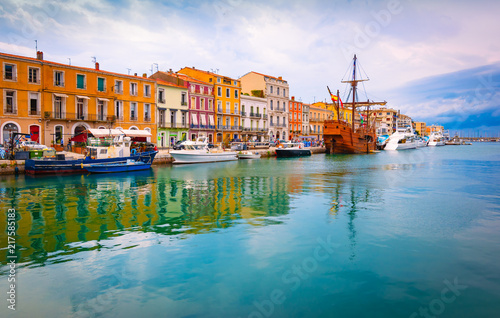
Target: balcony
(219, 110)
(255, 115)
(34, 113)
(10, 110)
(78, 116)
(264, 117)
(184, 103)
(244, 114)
(133, 117)
(59, 83)
(147, 118)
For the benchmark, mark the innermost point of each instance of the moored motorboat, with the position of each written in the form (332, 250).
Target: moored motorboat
(248, 155)
(402, 139)
(436, 139)
(292, 149)
(198, 152)
(128, 166)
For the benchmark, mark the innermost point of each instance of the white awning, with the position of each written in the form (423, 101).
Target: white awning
(194, 119)
(136, 133)
(203, 120)
(310, 126)
(103, 99)
(211, 120)
(83, 97)
(61, 95)
(98, 133)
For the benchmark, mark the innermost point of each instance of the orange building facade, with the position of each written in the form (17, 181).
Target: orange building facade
(295, 118)
(53, 102)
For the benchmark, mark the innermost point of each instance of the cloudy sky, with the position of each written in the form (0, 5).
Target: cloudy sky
(436, 60)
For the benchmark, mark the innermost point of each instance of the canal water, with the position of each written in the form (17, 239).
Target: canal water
(394, 234)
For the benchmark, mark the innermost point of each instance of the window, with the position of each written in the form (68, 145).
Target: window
(59, 107)
(219, 91)
(193, 103)
(80, 108)
(101, 110)
(183, 118)
(236, 110)
(271, 104)
(58, 133)
(172, 117)
(161, 95)
(119, 110)
(218, 79)
(228, 107)
(277, 121)
(133, 89)
(58, 78)
(235, 93)
(133, 111)
(183, 99)
(9, 72)
(147, 90)
(101, 84)
(202, 103)
(80, 81)
(284, 94)
(33, 75)
(34, 104)
(271, 88)
(228, 94)
(118, 87)
(219, 106)
(147, 112)
(10, 102)
(277, 90)
(210, 104)
(227, 121)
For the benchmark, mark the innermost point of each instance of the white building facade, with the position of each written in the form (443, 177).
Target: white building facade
(254, 118)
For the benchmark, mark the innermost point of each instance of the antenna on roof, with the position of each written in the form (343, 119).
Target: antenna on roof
(36, 46)
(69, 58)
(153, 66)
(128, 70)
(93, 59)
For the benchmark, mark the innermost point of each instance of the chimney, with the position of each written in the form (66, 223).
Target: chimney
(144, 75)
(280, 78)
(96, 66)
(135, 74)
(293, 97)
(170, 71)
(39, 55)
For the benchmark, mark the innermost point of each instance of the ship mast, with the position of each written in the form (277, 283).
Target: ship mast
(354, 84)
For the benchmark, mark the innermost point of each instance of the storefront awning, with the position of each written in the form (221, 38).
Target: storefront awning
(194, 119)
(103, 99)
(82, 97)
(98, 133)
(136, 133)
(80, 138)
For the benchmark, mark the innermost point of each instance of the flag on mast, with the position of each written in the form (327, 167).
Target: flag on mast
(336, 98)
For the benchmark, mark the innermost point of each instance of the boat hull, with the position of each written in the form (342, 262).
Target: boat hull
(402, 146)
(435, 143)
(40, 166)
(186, 157)
(111, 168)
(340, 139)
(289, 153)
(249, 156)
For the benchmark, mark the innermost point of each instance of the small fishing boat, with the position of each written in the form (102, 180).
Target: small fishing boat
(292, 149)
(128, 166)
(248, 155)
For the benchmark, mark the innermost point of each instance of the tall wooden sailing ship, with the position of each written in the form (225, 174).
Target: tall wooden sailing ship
(343, 136)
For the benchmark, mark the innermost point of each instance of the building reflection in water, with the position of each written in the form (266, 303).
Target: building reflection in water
(56, 216)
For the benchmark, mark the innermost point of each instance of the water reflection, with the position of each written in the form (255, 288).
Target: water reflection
(57, 215)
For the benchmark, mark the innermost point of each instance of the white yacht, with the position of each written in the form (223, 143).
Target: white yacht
(198, 152)
(403, 138)
(421, 142)
(436, 139)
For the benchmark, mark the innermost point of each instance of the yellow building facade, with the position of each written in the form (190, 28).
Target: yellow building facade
(53, 101)
(227, 93)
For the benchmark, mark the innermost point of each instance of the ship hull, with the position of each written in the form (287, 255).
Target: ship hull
(339, 138)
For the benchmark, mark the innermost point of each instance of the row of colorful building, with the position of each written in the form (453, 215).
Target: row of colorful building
(54, 102)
